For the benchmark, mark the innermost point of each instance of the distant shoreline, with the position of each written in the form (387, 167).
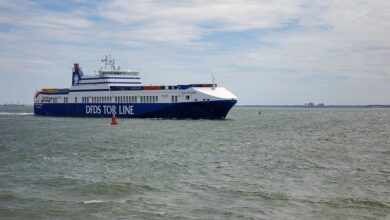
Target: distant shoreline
(326, 106)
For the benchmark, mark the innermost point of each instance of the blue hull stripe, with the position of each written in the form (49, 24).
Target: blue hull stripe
(75, 90)
(89, 90)
(54, 93)
(193, 110)
(108, 83)
(109, 78)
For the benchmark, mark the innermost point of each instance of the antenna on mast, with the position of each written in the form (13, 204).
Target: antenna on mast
(108, 62)
(213, 79)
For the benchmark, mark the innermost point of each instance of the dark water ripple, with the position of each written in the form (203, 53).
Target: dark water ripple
(284, 164)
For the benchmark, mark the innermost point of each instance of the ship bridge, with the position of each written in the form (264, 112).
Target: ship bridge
(108, 75)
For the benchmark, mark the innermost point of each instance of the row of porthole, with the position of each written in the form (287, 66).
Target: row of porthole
(49, 99)
(119, 99)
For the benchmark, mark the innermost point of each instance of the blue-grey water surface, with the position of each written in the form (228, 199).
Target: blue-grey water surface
(282, 164)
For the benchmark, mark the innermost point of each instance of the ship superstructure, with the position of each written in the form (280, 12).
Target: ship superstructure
(121, 93)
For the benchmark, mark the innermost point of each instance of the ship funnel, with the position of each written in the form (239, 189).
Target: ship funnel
(77, 74)
(76, 67)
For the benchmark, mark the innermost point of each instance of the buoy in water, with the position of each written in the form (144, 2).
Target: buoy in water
(259, 112)
(113, 120)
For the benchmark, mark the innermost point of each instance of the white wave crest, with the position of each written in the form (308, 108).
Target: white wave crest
(93, 201)
(16, 113)
(101, 201)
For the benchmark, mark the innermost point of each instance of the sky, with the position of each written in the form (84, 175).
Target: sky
(281, 52)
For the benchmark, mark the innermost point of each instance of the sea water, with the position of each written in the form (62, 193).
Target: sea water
(282, 164)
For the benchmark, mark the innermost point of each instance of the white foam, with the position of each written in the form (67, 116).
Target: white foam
(93, 201)
(101, 201)
(16, 113)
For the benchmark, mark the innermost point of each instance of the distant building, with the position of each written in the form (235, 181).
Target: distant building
(312, 105)
(309, 105)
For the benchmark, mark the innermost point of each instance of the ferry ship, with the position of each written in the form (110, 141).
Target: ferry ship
(120, 93)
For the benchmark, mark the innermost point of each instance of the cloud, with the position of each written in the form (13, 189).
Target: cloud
(285, 44)
(194, 19)
(348, 39)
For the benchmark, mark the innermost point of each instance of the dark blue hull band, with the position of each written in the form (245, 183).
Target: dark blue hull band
(190, 110)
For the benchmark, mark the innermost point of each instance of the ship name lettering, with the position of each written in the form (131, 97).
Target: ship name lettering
(126, 110)
(93, 109)
(109, 109)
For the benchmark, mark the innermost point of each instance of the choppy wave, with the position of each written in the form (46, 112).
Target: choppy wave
(16, 113)
(93, 201)
(110, 188)
(286, 164)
